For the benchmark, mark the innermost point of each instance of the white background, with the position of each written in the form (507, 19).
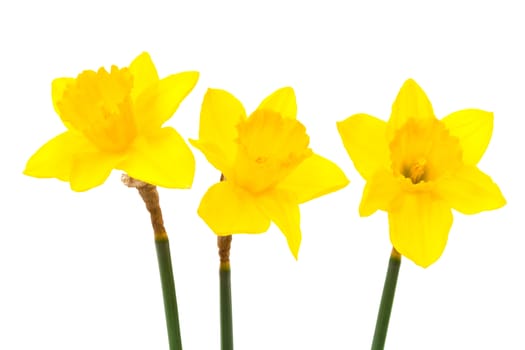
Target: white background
(79, 271)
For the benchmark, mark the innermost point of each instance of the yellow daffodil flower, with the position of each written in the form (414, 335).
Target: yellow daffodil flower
(417, 168)
(267, 165)
(114, 121)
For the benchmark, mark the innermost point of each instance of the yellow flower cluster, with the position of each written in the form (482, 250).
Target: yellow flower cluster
(417, 167)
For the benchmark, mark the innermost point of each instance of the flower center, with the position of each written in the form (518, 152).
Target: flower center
(98, 104)
(424, 151)
(269, 148)
(415, 171)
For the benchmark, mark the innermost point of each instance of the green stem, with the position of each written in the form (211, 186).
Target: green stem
(150, 196)
(168, 292)
(225, 293)
(387, 299)
(226, 309)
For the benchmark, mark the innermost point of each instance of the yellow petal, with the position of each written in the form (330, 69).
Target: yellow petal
(214, 155)
(470, 191)
(364, 138)
(144, 74)
(157, 103)
(92, 169)
(379, 192)
(58, 87)
(228, 209)
(473, 128)
(282, 208)
(419, 227)
(221, 112)
(314, 177)
(410, 103)
(55, 158)
(281, 101)
(161, 159)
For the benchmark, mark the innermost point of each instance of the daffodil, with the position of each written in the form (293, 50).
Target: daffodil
(266, 162)
(114, 121)
(417, 168)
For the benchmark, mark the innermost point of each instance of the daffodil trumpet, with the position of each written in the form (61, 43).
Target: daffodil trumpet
(268, 166)
(150, 196)
(268, 170)
(387, 300)
(417, 169)
(114, 120)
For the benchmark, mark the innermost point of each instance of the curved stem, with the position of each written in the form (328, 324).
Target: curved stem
(387, 299)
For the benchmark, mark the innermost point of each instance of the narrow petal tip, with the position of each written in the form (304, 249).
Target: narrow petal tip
(282, 101)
